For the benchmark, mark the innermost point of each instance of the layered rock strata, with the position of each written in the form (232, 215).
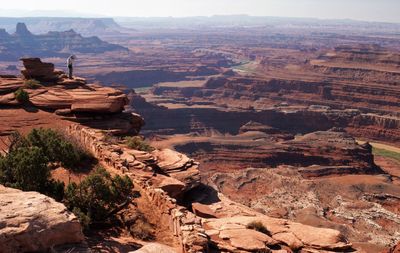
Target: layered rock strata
(72, 99)
(160, 177)
(164, 175)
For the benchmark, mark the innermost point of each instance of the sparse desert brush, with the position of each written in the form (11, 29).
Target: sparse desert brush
(31, 84)
(98, 196)
(258, 226)
(30, 159)
(22, 96)
(109, 138)
(25, 167)
(137, 142)
(58, 147)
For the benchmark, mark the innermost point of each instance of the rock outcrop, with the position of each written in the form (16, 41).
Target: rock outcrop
(38, 70)
(178, 166)
(178, 173)
(222, 225)
(31, 222)
(73, 99)
(163, 188)
(231, 234)
(22, 30)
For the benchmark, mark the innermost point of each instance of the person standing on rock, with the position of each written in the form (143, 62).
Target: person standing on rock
(70, 62)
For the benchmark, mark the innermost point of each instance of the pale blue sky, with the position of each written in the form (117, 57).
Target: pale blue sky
(373, 10)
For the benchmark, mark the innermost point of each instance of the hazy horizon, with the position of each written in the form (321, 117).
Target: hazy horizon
(365, 10)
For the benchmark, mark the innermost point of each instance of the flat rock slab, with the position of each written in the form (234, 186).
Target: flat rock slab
(203, 211)
(169, 160)
(30, 221)
(232, 232)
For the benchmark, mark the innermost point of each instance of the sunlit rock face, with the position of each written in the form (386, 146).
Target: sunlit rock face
(32, 222)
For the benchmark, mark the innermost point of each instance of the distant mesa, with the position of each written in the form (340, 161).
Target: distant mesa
(52, 44)
(22, 30)
(85, 26)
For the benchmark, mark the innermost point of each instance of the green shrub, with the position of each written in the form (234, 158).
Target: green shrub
(82, 217)
(137, 142)
(98, 195)
(56, 147)
(26, 166)
(31, 84)
(258, 226)
(54, 189)
(22, 96)
(110, 138)
(29, 168)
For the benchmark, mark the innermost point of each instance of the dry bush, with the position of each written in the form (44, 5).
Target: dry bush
(137, 142)
(258, 226)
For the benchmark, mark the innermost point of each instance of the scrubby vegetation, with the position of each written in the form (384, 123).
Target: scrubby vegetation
(31, 84)
(57, 148)
(25, 167)
(258, 226)
(22, 96)
(98, 196)
(137, 142)
(29, 160)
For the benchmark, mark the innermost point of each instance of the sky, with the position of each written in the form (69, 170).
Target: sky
(368, 10)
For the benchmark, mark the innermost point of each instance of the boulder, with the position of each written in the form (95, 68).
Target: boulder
(319, 238)
(154, 248)
(36, 69)
(169, 160)
(178, 166)
(30, 222)
(203, 211)
(247, 239)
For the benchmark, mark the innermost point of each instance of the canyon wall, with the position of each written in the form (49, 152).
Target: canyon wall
(221, 225)
(182, 223)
